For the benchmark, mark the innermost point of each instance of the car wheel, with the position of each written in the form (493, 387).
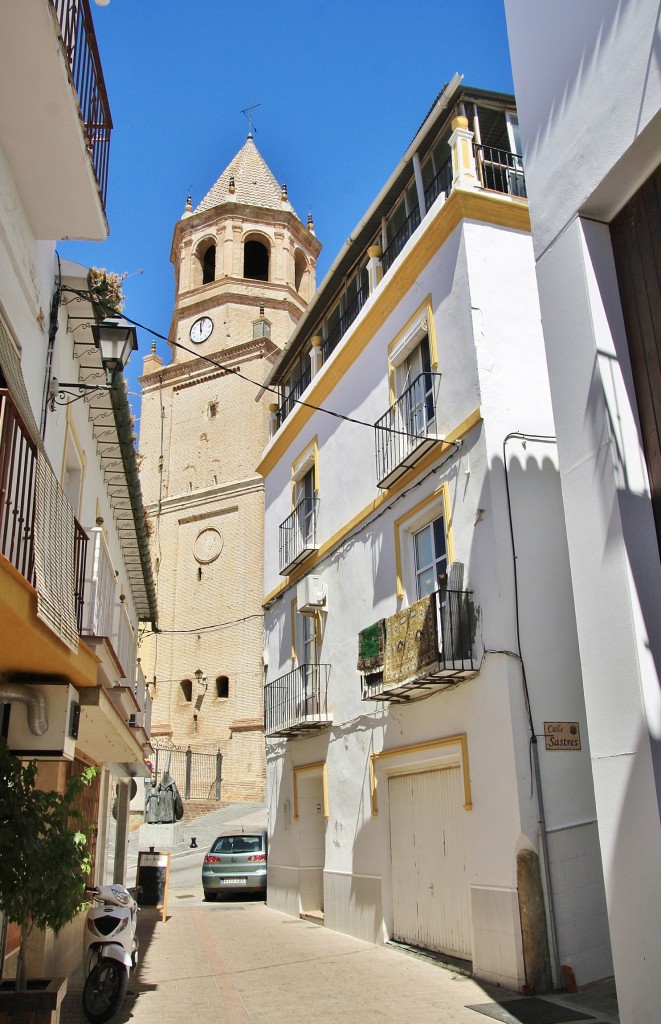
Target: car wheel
(210, 897)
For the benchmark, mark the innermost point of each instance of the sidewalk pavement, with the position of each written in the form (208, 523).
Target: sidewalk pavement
(240, 962)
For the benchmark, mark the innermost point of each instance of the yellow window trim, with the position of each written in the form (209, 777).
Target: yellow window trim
(423, 312)
(72, 436)
(405, 481)
(491, 208)
(300, 769)
(442, 494)
(460, 740)
(310, 449)
(293, 629)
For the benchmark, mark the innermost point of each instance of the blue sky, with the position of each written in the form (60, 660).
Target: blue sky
(342, 87)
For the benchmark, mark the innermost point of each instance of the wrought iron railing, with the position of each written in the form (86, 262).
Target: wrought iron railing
(77, 29)
(452, 625)
(442, 182)
(396, 245)
(298, 534)
(297, 700)
(80, 542)
(500, 170)
(347, 317)
(18, 471)
(18, 468)
(406, 426)
(295, 393)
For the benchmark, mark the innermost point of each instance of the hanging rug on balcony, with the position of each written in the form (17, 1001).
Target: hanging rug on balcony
(411, 642)
(371, 648)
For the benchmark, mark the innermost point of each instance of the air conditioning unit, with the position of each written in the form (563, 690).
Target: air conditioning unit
(62, 713)
(311, 595)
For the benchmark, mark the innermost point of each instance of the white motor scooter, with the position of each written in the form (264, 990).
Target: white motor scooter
(110, 950)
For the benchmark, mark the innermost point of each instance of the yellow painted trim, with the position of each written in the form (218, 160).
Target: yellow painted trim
(442, 494)
(293, 628)
(423, 312)
(312, 446)
(432, 456)
(460, 740)
(299, 769)
(488, 208)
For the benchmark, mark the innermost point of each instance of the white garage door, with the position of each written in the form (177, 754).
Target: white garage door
(431, 905)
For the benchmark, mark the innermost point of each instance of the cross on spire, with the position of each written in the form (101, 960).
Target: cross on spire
(248, 115)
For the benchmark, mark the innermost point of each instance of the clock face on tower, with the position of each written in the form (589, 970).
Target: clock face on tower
(201, 329)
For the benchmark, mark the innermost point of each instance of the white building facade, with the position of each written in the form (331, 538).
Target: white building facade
(420, 648)
(589, 87)
(75, 576)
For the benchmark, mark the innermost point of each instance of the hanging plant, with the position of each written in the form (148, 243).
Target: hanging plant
(105, 288)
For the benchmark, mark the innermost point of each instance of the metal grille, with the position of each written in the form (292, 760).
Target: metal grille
(198, 774)
(79, 39)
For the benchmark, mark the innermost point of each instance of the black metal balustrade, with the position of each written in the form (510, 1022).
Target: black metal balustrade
(18, 469)
(441, 183)
(344, 323)
(447, 656)
(500, 170)
(77, 29)
(80, 562)
(297, 702)
(295, 393)
(394, 248)
(298, 534)
(18, 472)
(407, 430)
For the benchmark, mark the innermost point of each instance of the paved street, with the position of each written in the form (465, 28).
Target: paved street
(239, 962)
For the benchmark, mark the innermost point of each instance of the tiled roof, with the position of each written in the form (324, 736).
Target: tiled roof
(254, 183)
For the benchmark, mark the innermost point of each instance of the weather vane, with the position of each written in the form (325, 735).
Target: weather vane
(248, 115)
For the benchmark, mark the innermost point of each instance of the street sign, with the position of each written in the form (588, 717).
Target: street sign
(562, 736)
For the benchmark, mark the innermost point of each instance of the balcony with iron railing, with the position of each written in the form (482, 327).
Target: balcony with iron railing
(297, 702)
(298, 535)
(347, 317)
(55, 122)
(395, 246)
(18, 473)
(419, 649)
(80, 46)
(407, 430)
(499, 170)
(293, 395)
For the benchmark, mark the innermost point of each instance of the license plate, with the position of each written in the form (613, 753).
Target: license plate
(233, 881)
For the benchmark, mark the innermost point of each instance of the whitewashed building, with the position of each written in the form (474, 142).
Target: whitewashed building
(75, 575)
(589, 84)
(422, 673)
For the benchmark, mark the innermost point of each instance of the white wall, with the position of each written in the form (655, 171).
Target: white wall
(588, 84)
(490, 348)
(588, 80)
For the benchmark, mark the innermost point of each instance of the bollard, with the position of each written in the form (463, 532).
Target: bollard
(193, 843)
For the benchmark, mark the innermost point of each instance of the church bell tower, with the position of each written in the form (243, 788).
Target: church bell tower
(244, 272)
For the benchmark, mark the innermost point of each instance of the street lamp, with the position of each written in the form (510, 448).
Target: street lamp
(115, 339)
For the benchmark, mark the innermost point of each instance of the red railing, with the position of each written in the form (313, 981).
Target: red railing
(77, 29)
(18, 466)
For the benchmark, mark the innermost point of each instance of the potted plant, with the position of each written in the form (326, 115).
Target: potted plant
(105, 292)
(45, 862)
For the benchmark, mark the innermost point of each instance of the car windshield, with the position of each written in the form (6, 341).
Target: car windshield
(237, 844)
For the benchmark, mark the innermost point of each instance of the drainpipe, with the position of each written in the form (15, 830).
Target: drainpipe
(35, 703)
